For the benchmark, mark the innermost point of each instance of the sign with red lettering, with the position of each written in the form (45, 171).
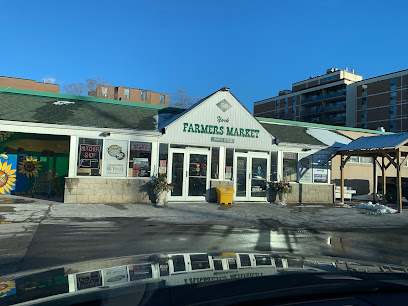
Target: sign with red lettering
(89, 156)
(140, 146)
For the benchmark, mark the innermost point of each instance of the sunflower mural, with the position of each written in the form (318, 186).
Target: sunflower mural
(29, 167)
(7, 288)
(7, 178)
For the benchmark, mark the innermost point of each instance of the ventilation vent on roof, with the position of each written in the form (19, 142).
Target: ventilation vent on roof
(63, 102)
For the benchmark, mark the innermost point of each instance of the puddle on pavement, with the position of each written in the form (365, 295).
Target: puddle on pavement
(15, 201)
(306, 209)
(6, 209)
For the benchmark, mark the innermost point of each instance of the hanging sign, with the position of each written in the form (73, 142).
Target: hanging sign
(89, 156)
(115, 159)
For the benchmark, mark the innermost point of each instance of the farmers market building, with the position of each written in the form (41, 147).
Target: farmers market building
(94, 150)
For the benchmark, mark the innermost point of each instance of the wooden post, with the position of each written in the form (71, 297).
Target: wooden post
(374, 180)
(342, 178)
(384, 180)
(399, 189)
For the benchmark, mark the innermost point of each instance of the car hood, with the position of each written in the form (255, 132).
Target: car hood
(177, 270)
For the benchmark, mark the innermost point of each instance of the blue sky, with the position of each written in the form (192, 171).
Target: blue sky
(254, 47)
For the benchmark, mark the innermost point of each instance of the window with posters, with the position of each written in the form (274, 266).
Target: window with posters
(89, 157)
(163, 157)
(290, 166)
(140, 159)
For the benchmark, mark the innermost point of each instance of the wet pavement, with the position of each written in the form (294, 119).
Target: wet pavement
(44, 233)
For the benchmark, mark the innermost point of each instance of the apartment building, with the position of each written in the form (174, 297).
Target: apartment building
(131, 95)
(320, 99)
(9, 82)
(380, 102)
(341, 97)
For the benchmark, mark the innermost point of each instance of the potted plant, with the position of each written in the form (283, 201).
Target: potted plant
(161, 187)
(283, 188)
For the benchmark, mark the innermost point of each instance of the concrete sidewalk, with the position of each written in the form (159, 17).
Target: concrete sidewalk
(319, 216)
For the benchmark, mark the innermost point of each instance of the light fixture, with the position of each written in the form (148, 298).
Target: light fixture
(105, 134)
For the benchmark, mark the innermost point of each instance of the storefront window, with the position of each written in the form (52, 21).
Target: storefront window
(290, 167)
(274, 166)
(89, 157)
(140, 159)
(163, 157)
(229, 161)
(215, 162)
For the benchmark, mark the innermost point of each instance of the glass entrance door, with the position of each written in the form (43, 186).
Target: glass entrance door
(251, 176)
(241, 177)
(259, 170)
(197, 175)
(188, 174)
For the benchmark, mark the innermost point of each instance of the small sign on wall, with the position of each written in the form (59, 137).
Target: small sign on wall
(89, 156)
(115, 159)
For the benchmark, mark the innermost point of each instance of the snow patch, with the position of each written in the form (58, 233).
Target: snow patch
(328, 137)
(378, 208)
(63, 102)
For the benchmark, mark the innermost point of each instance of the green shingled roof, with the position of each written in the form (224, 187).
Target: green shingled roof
(291, 134)
(82, 112)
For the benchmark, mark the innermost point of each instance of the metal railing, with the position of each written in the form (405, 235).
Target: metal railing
(324, 97)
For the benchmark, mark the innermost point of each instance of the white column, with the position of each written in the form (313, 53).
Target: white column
(280, 166)
(73, 153)
(155, 159)
(222, 164)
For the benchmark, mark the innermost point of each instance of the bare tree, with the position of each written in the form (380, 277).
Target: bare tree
(92, 84)
(181, 99)
(84, 89)
(75, 89)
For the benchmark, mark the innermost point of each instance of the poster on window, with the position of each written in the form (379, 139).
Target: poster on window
(89, 156)
(305, 166)
(320, 168)
(115, 159)
(163, 166)
(141, 167)
(114, 276)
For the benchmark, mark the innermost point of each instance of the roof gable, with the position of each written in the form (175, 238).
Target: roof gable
(219, 118)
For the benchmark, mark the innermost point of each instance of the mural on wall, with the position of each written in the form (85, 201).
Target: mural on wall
(40, 163)
(29, 167)
(7, 175)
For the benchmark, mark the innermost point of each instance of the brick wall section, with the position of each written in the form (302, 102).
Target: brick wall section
(264, 107)
(28, 84)
(378, 87)
(378, 100)
(135, 95)
(307, 193)
(100, 190)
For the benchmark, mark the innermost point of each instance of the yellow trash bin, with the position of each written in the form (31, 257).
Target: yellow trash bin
(225, 195)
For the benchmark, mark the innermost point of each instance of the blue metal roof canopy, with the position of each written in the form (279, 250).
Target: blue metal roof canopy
(376, 142)
(393, 147)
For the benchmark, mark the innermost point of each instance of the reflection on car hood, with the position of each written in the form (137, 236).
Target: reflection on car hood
(167, 270)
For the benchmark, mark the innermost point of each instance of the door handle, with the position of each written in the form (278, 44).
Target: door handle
(186, 173)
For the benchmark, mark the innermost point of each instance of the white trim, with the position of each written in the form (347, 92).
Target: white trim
(67, 130)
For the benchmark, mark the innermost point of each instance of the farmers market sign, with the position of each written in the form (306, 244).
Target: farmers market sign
(220, 129)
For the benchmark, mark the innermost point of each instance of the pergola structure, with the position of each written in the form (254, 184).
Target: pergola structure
(392, 149)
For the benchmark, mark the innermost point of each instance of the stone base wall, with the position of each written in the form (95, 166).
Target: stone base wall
(307, 193)
(101, 190)
(213, 190)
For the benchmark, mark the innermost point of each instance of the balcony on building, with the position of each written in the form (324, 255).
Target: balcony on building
(324, 95)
